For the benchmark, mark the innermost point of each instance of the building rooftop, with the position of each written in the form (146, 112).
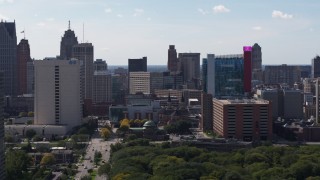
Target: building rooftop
(244, 101)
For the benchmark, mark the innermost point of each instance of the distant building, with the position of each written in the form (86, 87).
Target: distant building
(204, 76)
(23, 57)
(137, 65)
(100, 65)
(139, 82)
(2, 145)
(257, 73)
(102, 87)
(189, 64)
(247, 120)
(292, 104)
(57, 93)
(206, 122)
(247, 69)
(119, 88)
(315, 69)
(85, 53)
(156, 81)
(225, 74)
(278, 74)
(172, 59)
(68, 40)
(317, 101)
(8, 57)
(172, 80)
(30, 77)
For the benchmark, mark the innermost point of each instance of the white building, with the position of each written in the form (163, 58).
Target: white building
(139, 82)
(57, 93)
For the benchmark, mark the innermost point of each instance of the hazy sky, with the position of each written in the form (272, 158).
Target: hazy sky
(287, 30)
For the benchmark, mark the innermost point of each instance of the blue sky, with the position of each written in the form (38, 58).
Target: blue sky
(287, 30)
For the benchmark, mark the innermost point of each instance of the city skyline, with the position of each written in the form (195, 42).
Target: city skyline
(287, 31)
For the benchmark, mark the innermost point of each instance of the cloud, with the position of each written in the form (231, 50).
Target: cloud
(41, 24)
(119, 15)
(257, 28)
(6, 1)
(281, 15)
(50, 19)
(108, 10)
(2, 17)
(220, 9)
(203, 12)
(138, 12)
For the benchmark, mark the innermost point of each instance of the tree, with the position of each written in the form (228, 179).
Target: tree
(23, 114)
(16, 164)
(104, 169)
(37, 138)
(8, 138)
(83, 130)
(47, 159)
(30, 133)
(105, 133)
(86, 177)
(30, 114)
(97, 157)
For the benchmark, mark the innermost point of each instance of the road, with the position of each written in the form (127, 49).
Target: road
(96, 144)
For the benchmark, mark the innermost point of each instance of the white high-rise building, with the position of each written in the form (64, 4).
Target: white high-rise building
(139, 82)
(57, 93)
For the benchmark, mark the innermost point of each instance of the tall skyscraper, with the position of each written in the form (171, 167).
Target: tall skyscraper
(57, 93)
(315, 69)
(204, 77)
(85, 53)
(102, 87)
(190, 68)
(225, 75)
(172, 59)
(206, 122)
(2, 146)
(30, 77)
(8, 56)
(68, 40)
(137, 65)
(257, 63)
(247, 68)
(23, 56)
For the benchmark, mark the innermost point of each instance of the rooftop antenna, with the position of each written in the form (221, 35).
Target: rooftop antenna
(69, 25)
(83, 32)
(24, 33)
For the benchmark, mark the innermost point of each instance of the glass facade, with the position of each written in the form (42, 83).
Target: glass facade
(229, 72)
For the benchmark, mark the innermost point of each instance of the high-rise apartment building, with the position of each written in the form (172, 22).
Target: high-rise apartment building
(137, 65)
(247, 70)
(315, 69)
(68, 40)
(57, 93)
(172, 59)
(85, 53)
(189, 65)
(8, 56)
(279, 74)
(139, 82)
(246, 119)
(225, 74)
(23, 57)
(2, 145)
(256, 64)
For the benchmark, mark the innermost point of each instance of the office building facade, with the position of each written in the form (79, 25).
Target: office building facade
(257, 72)
(137, 65)
(206, 122)
(57, 93)
(315, 69)
(8, 57)
(23, 57)
(139, 82)
(2, 144)
(247, 69)
(156, 81)
(247, 119)
(189, 66)
(102, 87)
(282, 74)
(100, 65)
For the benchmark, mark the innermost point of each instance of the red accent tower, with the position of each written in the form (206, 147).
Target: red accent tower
(247, 51)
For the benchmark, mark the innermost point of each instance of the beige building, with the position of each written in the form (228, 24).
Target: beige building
(57, 93)
(139, 82)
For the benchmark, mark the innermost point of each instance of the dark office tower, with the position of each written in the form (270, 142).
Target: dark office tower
(206, 122)
(84, 52)
(100, 65)
(137, 65)
(172, 59)
(23, 57)
(256, 63)
(315, 71)
(247, 68)
(190, 68)
(68, 40)
(204, 76)
(8, 56)
(2, 150)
